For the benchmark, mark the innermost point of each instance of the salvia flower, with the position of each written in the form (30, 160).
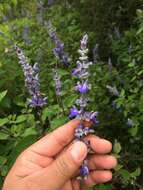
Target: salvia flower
(81, 72)
(74, 112)
(84, 170)
(91, 116)
(82, 102)
(31, 80)
(82, 131)
(59, 49)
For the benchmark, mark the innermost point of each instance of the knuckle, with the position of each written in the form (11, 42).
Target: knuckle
(62, 167)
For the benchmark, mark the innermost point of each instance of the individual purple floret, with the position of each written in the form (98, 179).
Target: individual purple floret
(83, 42)
(82, 131)
(84, 170)
(31, 80)
(79, 132)
(82, 102)
(37, 101)
(91, 116)
(58, 85)
(74, 112)
(83, 87)
(59, 49)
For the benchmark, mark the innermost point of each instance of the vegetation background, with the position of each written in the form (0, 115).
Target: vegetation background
(117, 27)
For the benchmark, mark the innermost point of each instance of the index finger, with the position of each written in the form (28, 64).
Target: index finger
(53, 143)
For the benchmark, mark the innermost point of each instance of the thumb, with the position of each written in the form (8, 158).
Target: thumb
(66, 165)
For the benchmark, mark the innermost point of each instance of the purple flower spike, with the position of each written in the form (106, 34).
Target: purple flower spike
(83, 87)
(59, 49)
(31, 80)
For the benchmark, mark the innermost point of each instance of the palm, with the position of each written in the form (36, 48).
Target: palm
(35, 163)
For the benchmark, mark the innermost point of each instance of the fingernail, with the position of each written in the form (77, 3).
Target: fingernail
(78, 152)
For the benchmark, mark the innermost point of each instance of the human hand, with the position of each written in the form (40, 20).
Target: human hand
(53, 162)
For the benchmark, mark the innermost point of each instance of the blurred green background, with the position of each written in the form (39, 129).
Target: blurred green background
(117, 27)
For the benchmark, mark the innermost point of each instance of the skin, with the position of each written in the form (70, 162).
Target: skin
(53, 162)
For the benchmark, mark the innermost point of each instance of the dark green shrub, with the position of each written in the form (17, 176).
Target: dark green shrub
(120, 116)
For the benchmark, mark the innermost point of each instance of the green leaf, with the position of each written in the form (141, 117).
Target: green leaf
(118, 167)
(3, 160)
(122, 94)
(29, 131)
(140, 72)
(139, 31)
(133, 131)
(132, 64)
(21, 118)
(70, 100)
(3, 121)
(117, 147)
(4, 170)
(3, 136)
(50, 111)
(2, 95)
(57, 122)
(136, 173)
(103, 187)
(14, 2)
(90, 188)
(63, 72)
(125, 174)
